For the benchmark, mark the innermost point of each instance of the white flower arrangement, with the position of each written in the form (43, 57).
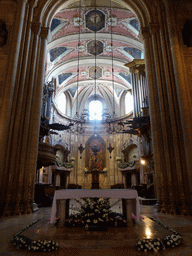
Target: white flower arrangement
(95, 213)
(86, 170)
(172, 241)
(150, 245)
(23, 242)
(43, 246)
(156, 245)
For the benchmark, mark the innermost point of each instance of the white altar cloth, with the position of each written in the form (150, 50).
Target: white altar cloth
(64, 194)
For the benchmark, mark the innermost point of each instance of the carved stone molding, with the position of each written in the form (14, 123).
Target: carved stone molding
(154, 28)
(44, 33)
(144, 33)
(35, 27)
(137, 66)
(32, 3)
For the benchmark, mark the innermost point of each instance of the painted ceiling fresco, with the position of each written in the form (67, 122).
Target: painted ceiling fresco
(136, 53)
(56, 52)
(63, 77)
(135, 23)
(90, 46)
(95, 20)
(95, 47)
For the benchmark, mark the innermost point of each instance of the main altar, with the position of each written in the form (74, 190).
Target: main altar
(60, 209)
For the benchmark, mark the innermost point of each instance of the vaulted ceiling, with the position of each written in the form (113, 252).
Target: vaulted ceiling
(91, 36)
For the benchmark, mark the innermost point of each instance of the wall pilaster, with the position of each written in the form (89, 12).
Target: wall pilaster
(34, 121)
(165, 115)
(153, 108)
(183, 92)
(14, 39)
(15, 130)
(24, 126)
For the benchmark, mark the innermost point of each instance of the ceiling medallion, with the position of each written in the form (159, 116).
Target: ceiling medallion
(95, 20)
(95, 47)
(95, 72)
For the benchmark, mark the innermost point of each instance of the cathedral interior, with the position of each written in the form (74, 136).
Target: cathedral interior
(95, 95)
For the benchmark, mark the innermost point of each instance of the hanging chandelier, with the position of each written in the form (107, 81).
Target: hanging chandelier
(112, 124)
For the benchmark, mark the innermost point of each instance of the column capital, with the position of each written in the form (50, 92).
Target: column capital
(154, 27)
(35, 27)
(32, 3)
(44, 33)
(144, 33)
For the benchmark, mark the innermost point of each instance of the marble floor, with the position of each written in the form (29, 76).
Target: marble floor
(115, 241)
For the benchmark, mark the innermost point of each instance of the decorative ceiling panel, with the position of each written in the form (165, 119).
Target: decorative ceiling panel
(95, 20)
(88, 51)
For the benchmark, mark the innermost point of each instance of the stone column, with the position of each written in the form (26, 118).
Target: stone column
(153, 108)
(165, 121)
(16, 146)
(26, 115)
(184, 105)
(165, 115)
(7, 104)
(35, 113)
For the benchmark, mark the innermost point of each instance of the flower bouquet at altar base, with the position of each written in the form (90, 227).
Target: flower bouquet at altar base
(96, 212)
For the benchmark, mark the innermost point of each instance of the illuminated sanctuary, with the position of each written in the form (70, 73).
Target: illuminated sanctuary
(95, 95)
(95, 105)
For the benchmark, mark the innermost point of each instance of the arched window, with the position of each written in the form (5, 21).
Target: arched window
(128, 103)
(61, 103)
(95, 110)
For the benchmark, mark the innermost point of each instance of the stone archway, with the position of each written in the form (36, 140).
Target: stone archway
(169, 103)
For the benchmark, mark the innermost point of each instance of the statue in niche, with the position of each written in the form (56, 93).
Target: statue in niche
(187, 33)
(3, 33)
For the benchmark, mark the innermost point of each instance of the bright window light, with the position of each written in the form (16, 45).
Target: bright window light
(95, 110)
(128, 103)
(61, 103)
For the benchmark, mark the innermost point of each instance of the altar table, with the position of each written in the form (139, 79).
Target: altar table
(60, 197)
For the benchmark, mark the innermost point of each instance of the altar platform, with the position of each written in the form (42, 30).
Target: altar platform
(129, 197)
(117, 241)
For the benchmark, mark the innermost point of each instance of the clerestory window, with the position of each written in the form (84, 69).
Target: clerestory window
(128, 103)
(61, 103)
(95, 110)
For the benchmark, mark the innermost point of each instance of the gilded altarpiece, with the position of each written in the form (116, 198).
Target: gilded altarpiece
(95, 161)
